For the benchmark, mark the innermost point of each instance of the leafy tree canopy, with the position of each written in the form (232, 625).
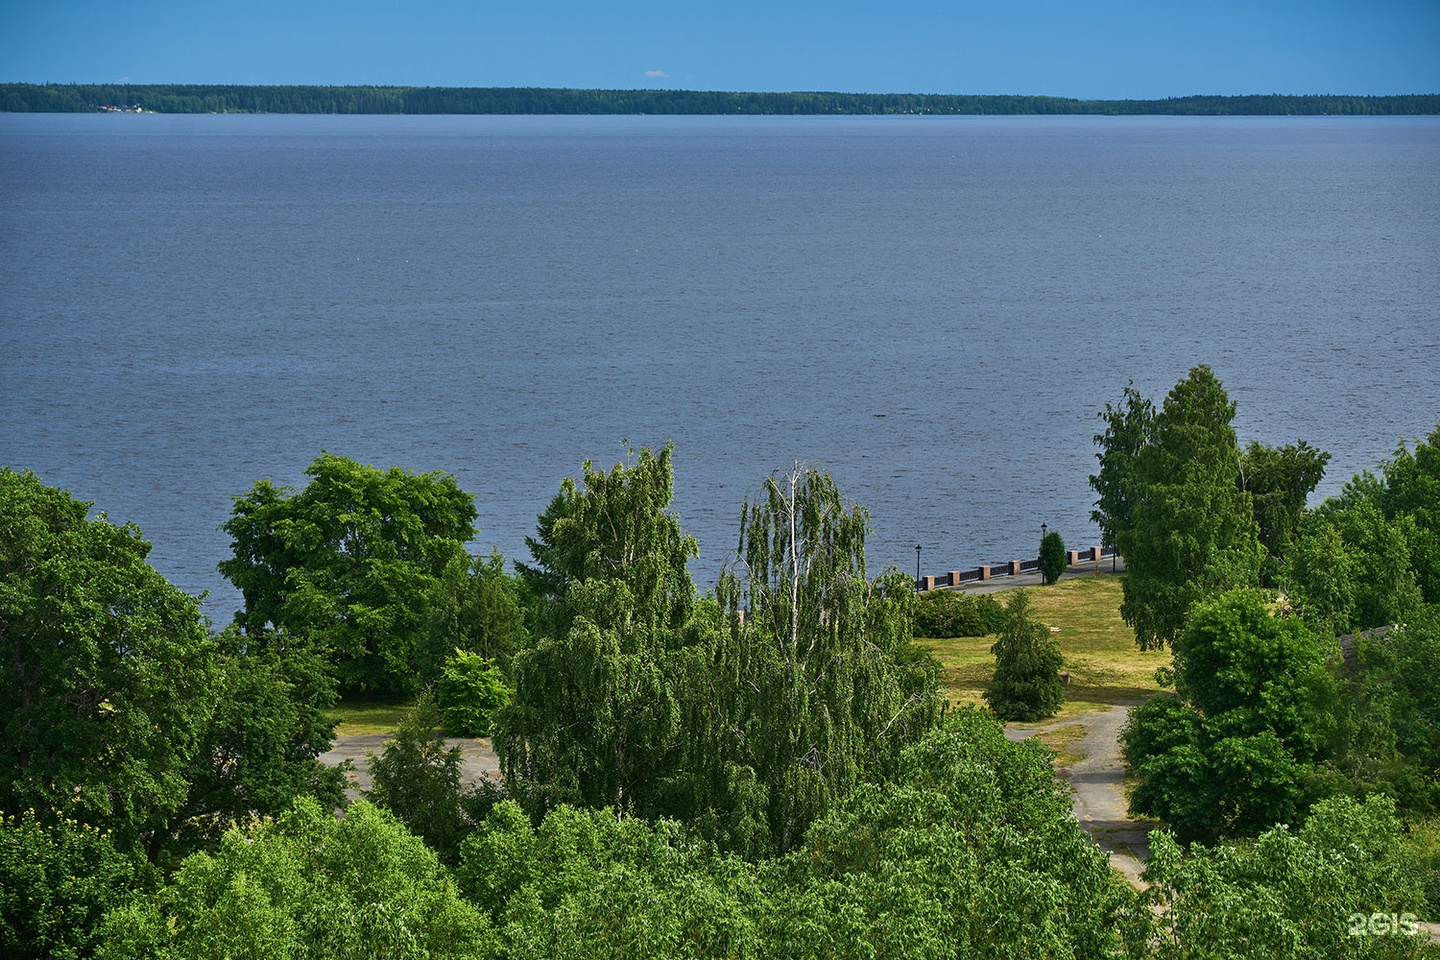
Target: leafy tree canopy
(1191, 530)
(1233, 753)
(110, 673)
(351, 564)
(1291, 894)
(818, 684)
(306, 885)
(1278, 480)
(596, 716)
(614, 526)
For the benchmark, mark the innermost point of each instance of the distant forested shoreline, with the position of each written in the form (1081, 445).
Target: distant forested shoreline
(217, 98)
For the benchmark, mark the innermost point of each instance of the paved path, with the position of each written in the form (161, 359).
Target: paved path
(1096, 781)
(477, 759)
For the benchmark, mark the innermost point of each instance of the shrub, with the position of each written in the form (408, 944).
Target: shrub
(470, 690)
(945, 613)
(1052, 557)
(1026, 685)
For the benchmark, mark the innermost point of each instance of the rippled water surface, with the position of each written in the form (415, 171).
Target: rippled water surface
(932, 309)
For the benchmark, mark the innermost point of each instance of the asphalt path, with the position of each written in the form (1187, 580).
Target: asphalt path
(1097, 785)
(477, 759)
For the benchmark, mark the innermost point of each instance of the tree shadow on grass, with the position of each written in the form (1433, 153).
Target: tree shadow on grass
(1111, 696)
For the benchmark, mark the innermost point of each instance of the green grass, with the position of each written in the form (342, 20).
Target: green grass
(1106, 667)
(358, 716)
(1062, 740)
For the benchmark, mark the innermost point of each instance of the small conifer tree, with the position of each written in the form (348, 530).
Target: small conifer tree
(1052, 557)
(1026, 685)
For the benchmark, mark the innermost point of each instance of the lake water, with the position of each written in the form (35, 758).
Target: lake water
(932, 309)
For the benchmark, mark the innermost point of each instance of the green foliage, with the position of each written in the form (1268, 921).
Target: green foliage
(1412, 495)
(942, 614)
(1232, 753)
(110, 675)
(306, 885)
(971, 851)
(57, 880)
(589, 883)
(1320, 577)
(479, 607)
(1192, 530)
(351, 565)
(819, 683)
(261, 747)
(1386, 590)
(1289, 894)
(1052, 557)
(617, 528)
(1387, 736)
(417, 778)
(1026, 684)
(1119, 485)
(595, 719)
(1278, 481)
(470, 689)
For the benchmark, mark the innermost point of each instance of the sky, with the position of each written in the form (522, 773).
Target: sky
(1121, 49)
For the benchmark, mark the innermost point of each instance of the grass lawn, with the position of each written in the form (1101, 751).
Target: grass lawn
(356, 716)
(1105, 665)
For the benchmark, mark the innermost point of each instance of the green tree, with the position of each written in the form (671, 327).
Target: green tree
(591, 883)
(1386, 590)
(1052, 557)
(352, 564)
(57, 880)
(817, 683)
(1412, 492)
(1319, 577)
(469, 691)
(617, 528)
(417, 778)
(1387, 736)
(1278, 480)
(306, 885)
(1119, 486)
(261, 747)
(1026, 683)
(596, 716)
(1192, 531)
(1231, 754)
(973, 852)
(480, 608)
(110, 674)
(1291, 894)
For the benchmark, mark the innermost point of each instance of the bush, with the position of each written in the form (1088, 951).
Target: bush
(56, 883)
(417, 778)
(945, 613)
(1026, 685)
(1052, 557)
(470, 690)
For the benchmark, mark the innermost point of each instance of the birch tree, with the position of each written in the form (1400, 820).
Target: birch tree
(816, 682)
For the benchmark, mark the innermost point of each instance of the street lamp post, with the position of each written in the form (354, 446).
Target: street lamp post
(917, 567)
(1044, 528)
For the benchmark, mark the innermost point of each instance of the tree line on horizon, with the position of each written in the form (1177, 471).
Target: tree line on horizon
(239, 98)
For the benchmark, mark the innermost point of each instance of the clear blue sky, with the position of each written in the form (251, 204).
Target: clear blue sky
(1109, 49)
